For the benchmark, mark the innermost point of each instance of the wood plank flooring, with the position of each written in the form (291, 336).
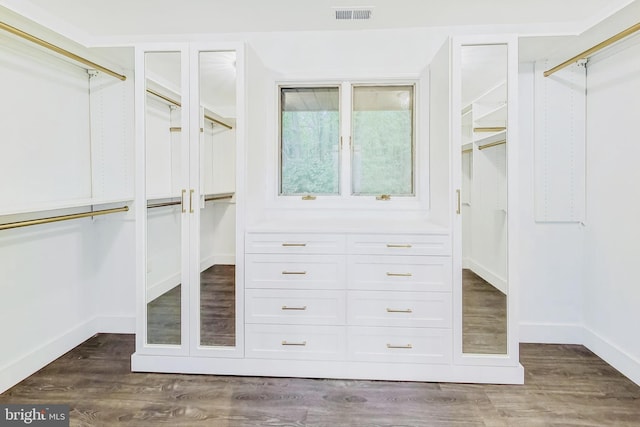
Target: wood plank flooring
(484, 316)
(565, 385)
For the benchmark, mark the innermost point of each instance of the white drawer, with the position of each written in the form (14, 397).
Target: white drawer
(295, 307)
(295, 243)
(409, 309)
(400, 273)
(295, 342)
(399, 244)
(295, 271)
(401, 345)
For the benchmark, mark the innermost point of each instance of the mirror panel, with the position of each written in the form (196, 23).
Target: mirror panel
(484, 198)
(164, 157)
(217, 83)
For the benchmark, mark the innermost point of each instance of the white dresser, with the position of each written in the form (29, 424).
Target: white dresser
(353, 297)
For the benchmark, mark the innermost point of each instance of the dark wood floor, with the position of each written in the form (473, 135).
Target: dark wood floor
(565, 385)
(484, 316)
(217, 310)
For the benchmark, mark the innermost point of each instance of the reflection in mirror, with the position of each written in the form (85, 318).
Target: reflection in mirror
(163, 160)
(217, 204)
(484, 199)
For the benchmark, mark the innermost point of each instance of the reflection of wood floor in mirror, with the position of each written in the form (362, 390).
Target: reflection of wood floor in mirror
(484, 319)
(217, 307)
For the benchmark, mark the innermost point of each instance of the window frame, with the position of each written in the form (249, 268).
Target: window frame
(345, 200)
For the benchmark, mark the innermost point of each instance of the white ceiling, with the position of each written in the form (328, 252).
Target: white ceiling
(100, 20)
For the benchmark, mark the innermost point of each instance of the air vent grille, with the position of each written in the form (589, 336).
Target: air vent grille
(351, 14)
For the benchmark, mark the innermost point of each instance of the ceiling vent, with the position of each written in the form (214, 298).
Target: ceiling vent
(352, 14)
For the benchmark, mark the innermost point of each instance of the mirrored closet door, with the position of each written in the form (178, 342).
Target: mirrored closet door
(189, 220)
(485, 91)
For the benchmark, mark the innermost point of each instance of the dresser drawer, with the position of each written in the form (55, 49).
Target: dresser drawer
(410, 309)
(295, 271)
(295, 243)
(400, 273)
(295, 342)
(295, 307)
(399, 244)
(400, 345)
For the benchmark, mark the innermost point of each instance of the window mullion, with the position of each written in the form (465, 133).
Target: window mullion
(345, 124)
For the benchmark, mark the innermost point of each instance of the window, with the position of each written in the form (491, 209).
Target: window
(382, 132)
(380, 147)
(309, 141)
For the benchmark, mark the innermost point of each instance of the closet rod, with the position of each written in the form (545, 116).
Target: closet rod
(221, 197)
(587, 53)
(490, 129)
(61, 218)
(160, 205)
(178, 104)
(492, 144)
(59, 50)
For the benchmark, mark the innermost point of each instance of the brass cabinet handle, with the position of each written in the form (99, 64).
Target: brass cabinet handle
(458, 210)
(304, 307)
(393, 245)
(191, 201)
(294, 272)
(395, 310)
(294, 244)
(399, 274)
(301, 344)
(407, 346)
(182, 201)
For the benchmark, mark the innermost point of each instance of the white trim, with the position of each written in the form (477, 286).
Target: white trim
(551, 333)
(493, 279)
(162, 287)
(627, 364)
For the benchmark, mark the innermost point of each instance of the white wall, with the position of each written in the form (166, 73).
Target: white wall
(550, 255)
(612, 232)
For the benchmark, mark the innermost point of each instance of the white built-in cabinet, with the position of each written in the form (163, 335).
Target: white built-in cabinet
(331, 293)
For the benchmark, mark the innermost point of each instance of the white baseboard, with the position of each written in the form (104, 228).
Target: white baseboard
(16, 371)
(551, 333)
(627, 364)
(162, 287)
(496, 281)
(217, 259)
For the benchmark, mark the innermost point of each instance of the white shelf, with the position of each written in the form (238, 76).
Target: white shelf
(494, 137)
(496, 115)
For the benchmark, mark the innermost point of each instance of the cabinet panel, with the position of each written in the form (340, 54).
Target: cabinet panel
(400, 273)
(399, 345)
(295, 342)
(295, 307)
(295, 243)
(399, 244)
(410, 309)
(295, 271)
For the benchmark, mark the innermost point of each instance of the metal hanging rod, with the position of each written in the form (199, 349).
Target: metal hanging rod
(492, 144)
(160, 205)
(179, 104)
(61, 218)
(490, 129)
(587, 53)
(218, 197)
(60, 51)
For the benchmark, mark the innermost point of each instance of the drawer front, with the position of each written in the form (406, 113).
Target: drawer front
(401, 345)
(295, 271)
(274, 306)
(400, 273)
(294, 243)
(408, 309)
(399, 244)
(295, 342)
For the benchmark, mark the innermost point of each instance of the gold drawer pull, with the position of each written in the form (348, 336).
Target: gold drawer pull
(294, 244)
(301, 344)
(294, 272)
(395, 310)
(394, 245)
(304, 307)
(407, 346)
(399, 274)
